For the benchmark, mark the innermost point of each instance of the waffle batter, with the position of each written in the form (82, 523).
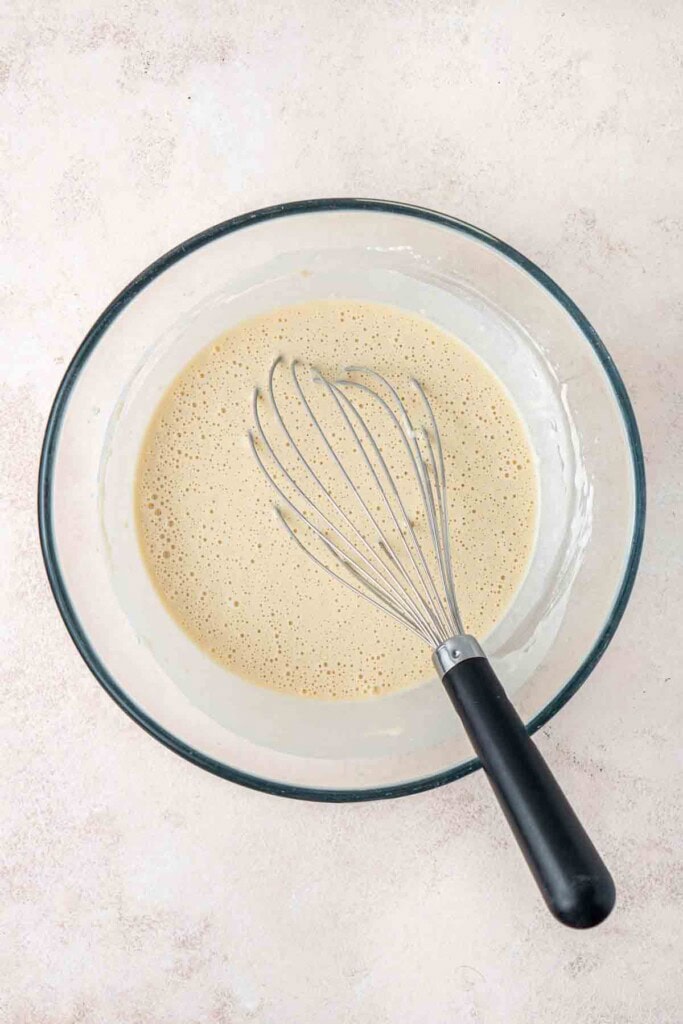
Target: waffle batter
(239, 586)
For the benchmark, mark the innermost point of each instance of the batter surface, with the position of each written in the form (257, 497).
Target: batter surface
(234, 580)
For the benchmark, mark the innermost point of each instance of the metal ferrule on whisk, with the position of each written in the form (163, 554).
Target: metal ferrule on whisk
(454, 651)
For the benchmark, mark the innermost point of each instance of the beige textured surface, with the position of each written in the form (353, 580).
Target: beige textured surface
(136, 888)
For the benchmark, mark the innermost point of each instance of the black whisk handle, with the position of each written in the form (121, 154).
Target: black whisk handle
(569, 871)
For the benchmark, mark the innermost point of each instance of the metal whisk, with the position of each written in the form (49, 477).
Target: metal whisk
(380, 526)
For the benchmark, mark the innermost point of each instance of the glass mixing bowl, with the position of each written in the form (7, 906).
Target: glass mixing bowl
(579, 421)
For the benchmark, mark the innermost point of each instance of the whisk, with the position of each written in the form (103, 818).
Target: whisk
(382, 530)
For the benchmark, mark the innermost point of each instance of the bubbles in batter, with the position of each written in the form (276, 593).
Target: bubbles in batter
(229, 574)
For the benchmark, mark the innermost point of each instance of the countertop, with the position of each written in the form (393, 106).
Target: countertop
(137, 888)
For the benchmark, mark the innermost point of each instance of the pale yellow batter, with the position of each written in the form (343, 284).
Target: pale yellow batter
(232, 578)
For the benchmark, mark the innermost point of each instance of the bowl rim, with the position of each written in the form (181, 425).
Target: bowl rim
(51, 442)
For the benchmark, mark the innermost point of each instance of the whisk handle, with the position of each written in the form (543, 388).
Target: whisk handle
(569, 871)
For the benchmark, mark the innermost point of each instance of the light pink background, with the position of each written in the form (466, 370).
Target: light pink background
(134, 887)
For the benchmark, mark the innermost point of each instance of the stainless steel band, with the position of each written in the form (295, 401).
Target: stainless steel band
(453, 651)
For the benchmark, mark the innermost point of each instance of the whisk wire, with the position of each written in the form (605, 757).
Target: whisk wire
(447, 564)
(384, 542)
(394, 575)
(407, 434)
(384, 573)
